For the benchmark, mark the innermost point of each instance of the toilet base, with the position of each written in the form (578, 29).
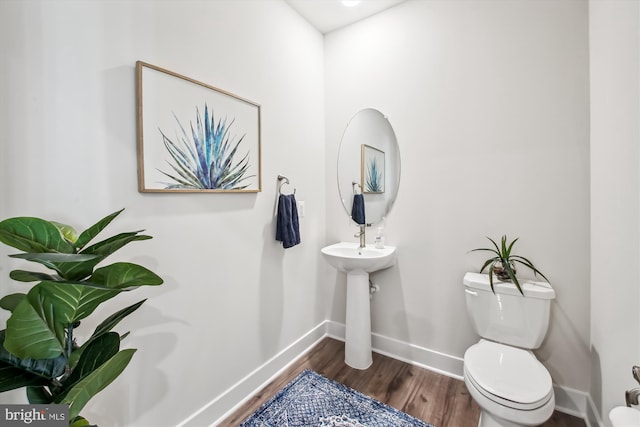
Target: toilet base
(488, 420)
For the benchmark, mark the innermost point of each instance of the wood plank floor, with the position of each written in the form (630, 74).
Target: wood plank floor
(434, 398)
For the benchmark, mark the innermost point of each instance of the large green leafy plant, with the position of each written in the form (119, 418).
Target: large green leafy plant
(38, 349)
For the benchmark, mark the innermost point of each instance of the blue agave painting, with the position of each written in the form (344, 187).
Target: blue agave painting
(208, 159)
(374, 181)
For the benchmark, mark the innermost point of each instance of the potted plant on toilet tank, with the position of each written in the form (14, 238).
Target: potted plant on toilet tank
(503, 262)
(38, 350)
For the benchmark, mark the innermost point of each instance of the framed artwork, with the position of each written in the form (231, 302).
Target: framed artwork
(193, 137)
(372, 170)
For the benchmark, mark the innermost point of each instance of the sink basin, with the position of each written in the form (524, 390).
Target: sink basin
(358, 262)
(623, 416)
(348, 256)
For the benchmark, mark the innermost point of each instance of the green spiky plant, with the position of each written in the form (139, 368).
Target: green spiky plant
(502, 265)
(374, 177)
(206, 159)
(38, 350)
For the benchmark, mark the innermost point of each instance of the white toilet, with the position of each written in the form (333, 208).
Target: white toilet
(501, 372)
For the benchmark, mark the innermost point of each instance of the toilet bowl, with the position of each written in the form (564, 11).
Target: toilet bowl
(510, 385)
(501, 372)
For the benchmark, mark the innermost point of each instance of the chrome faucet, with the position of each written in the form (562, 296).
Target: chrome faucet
(631, 396)
(361, 235)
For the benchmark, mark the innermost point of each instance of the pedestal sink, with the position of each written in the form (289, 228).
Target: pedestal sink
(624, 416)
(358, 262)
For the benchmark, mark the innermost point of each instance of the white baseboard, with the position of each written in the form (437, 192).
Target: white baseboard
(224, 405)
(576, 403)
(592, 417)
(410, 353)
(569, 401)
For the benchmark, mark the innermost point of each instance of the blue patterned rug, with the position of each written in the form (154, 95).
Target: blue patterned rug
(312, 400)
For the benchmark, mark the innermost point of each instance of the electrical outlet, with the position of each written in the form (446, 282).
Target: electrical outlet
(301, 209)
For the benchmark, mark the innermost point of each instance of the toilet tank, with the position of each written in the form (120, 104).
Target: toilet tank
(507, 316)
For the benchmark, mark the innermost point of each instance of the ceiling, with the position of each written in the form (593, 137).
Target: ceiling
(329, 15)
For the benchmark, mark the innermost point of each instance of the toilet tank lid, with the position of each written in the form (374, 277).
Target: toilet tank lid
(531, 289)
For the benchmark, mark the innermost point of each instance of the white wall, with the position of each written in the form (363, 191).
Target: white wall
(233, 297)
(614, 28)
(490, 104)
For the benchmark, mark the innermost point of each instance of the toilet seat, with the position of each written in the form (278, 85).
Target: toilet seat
(509, 376)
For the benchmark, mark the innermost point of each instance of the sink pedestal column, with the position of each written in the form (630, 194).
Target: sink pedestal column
(358, 262)
(358, 328)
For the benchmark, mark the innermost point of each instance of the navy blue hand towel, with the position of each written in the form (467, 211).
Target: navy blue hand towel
(287, 227)
(357, 211)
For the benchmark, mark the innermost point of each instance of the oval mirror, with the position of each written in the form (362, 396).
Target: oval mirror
(369, 163)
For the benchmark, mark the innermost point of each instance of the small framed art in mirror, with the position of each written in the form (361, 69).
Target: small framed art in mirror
(372, 170)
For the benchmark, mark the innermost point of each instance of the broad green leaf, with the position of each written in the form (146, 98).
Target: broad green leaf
(48, 368)
(87, 235)
(107, 325)
(95, 382)
(36, 326)
(12, 378)
(123, 275)
(81, 422)
(68, 266)
(32, 331)
(30, 276)
(52, 258)
(9, 302)
(71, 302)
(112, 244)
(30, 234)
(68, 232)
(111, 321)
(98, 352)
(39, 395)
(77, 270)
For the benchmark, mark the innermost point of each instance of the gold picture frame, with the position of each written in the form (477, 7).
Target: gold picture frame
(372, 170)
(193, 137)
